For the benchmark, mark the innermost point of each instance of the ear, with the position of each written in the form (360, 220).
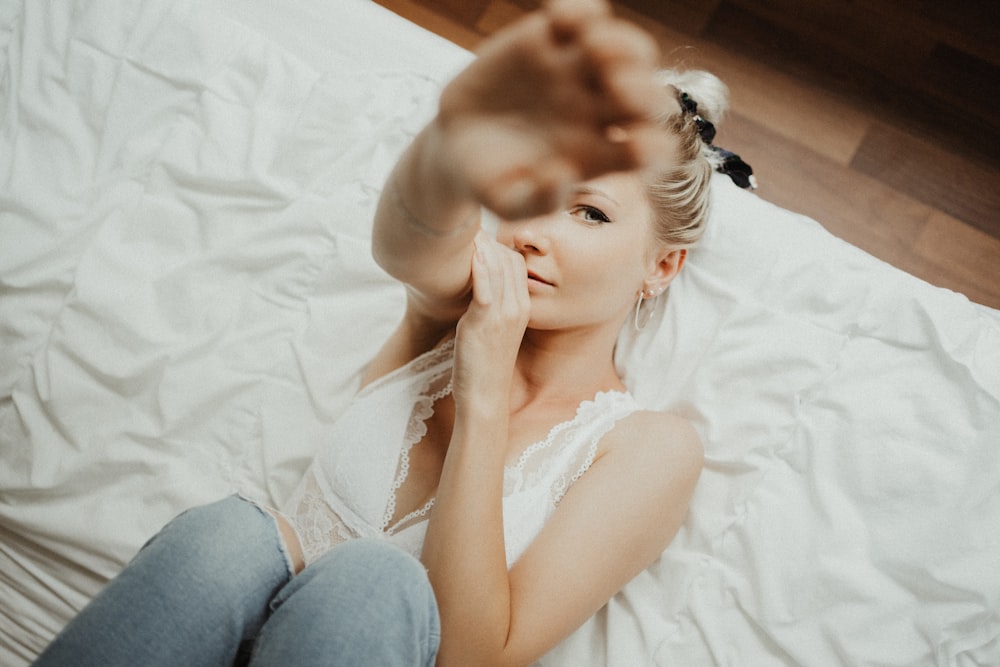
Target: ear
(667, 265)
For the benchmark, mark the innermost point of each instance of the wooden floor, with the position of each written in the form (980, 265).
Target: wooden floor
(889, 176)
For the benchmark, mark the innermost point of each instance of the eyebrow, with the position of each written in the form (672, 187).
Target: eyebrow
(589, 190)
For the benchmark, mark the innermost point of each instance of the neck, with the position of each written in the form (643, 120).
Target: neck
(564, 366)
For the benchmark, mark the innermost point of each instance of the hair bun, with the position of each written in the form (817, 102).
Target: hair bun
(708, 90)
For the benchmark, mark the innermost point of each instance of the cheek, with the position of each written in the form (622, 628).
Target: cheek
(608, 282)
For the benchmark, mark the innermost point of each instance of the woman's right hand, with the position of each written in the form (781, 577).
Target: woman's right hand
(489, 334)
(561, 96)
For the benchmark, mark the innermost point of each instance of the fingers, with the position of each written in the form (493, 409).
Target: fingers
(621, 58)
(482, 287)
(631, 93)
(490, 333)
(568, 17)
(546, 185)
(611, 41)
(538, 188)
(650, 147)
(499, 276)
(516, 286)
(565, 95)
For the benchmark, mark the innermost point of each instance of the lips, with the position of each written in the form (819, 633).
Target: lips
(534, 276)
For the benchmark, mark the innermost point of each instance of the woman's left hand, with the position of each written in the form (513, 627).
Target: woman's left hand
(489, 334)
(561, 96)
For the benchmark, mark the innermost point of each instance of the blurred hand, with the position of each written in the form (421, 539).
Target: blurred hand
(561, 96)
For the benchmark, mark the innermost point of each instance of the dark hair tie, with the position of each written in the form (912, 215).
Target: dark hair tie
(730, 164)
(706, 129)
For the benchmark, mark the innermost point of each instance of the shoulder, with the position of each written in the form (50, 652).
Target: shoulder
(657, 442)
(652, 428)
(642, 481)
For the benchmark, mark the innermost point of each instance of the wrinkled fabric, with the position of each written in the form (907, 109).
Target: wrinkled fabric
(187, 300)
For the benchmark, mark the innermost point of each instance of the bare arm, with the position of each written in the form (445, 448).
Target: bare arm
(424, 226)
(464, 546)
(611, 524)
(614, 522)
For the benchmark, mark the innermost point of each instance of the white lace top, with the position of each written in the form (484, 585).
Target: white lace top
(349, 490)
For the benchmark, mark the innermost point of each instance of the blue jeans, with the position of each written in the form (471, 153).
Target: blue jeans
(217, 580)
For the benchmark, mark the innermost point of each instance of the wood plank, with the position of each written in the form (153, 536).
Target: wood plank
(499, 14)
(865, 212)
(965, 81)
(864, 84)
(834, 30)
(465, 12)
(972, 26)
(967, 260)
(792, 107)
(429, 15)
(964, 189)
(686, 16)
(850, 205)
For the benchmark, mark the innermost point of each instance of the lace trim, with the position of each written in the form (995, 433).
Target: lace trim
(321, 527)
(416, 429)
(560, 486)
(418, 513)
(421, 364)
(317, 526)
(603, 411)
(583, 412)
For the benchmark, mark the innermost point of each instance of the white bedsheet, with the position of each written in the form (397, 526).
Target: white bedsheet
(187, 298)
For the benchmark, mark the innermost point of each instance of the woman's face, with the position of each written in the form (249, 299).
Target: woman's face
(586, 265)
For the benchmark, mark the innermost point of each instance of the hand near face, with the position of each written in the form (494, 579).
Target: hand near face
(565, 94)
(489, 333)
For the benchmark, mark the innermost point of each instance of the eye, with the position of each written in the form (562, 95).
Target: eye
(590, 214)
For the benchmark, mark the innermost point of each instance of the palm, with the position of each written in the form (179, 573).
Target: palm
(534, 113)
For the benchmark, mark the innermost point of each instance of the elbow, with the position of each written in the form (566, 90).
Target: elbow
(479, 647)
(445, 659)
(380, 253)
(383, 250)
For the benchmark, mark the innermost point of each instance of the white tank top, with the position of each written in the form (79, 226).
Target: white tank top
(349, 490)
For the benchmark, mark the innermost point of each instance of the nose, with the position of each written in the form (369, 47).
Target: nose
(529, 236)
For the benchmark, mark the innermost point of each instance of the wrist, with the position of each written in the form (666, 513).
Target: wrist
(442, 227)
(424, 192)
(482, 409)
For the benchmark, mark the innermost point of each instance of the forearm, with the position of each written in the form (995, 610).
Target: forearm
(464, 548)
(425, 217)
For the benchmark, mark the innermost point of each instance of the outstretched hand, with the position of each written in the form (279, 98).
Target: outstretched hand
(561, 96)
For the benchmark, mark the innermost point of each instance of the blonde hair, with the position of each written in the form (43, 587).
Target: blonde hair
(680, 195)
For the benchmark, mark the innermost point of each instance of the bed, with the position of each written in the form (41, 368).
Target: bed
(187, 300)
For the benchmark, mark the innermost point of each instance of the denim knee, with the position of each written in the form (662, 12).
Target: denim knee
(365, 601)
(191, 596)
(217, 536)
(385, 575)
(389, 566)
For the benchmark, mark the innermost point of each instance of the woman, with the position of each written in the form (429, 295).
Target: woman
(528, 482)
